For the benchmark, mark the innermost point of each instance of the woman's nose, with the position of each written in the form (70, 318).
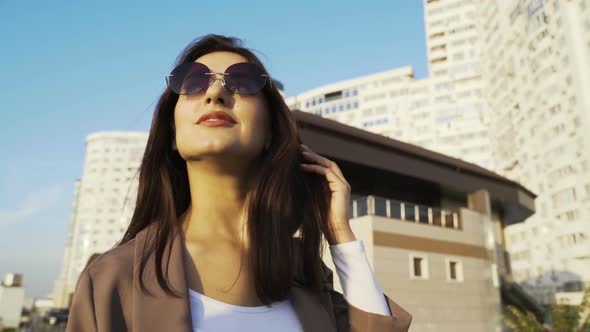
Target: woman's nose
(216, 90)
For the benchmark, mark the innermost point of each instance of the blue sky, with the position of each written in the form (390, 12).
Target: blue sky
(73, 68)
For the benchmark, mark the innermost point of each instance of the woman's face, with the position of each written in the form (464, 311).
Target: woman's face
(244, 140)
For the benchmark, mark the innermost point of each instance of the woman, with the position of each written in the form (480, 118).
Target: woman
(230, 212)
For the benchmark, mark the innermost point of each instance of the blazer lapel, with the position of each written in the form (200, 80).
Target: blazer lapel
(154, 310)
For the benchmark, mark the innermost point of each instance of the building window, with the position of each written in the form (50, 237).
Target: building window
(418, 266)
(333, 96)
(458, 56)
(454, 270)
(440, 72)
(564, 198)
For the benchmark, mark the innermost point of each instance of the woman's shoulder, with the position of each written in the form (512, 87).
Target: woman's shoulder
(115, 263)
(106, 280)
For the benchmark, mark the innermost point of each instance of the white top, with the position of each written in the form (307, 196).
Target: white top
(359, 286)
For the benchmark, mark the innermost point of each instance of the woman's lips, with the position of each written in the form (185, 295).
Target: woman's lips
(220, 115)
(217, 123)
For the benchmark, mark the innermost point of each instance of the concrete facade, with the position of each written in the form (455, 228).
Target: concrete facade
(466, 299)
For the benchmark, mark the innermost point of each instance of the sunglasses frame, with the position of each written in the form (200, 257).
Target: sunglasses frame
(214, 78)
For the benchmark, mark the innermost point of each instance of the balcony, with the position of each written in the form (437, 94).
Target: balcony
(408, 212)
(438, 60)
(436, 35)
(438, 53)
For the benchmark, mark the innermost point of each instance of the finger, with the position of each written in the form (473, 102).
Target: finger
(324, 162)
(334, 181)
(316, 157)
(327, 172)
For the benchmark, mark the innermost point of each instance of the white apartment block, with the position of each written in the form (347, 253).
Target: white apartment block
(452, 39)
(443, 113)
(104, 202)
(453, 45)
(434, 113)
(372, 102)
(61, 291)
(537, 70)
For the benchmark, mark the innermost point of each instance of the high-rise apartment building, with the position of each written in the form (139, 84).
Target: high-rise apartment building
(61, 293)
(453, 45)
(103, 203)
(443, 113)
(434, 113)
(537, 76)
(508, 90)
(452, 39)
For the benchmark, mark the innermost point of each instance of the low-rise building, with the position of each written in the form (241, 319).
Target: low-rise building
(432, 225)
(12, 296)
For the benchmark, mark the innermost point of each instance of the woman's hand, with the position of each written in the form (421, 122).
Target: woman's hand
(339, 224)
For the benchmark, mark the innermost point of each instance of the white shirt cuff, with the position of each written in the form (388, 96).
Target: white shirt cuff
(359, 285)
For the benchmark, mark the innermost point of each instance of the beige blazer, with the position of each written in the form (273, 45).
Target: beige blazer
(108, 299)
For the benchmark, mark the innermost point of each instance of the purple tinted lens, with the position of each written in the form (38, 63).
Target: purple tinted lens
(245, 77)
(189, 78)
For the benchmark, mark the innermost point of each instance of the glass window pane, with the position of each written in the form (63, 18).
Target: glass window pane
(453, 270)
(409, 211)
(417, 266)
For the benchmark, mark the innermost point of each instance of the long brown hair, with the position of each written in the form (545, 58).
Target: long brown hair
(284, 200)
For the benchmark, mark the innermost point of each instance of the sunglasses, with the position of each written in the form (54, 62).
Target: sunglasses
(194, 77)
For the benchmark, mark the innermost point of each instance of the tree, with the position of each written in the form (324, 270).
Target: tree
(565, 317)
(522, 322)
(571, 318)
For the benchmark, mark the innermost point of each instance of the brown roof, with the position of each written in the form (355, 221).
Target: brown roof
(360, 147)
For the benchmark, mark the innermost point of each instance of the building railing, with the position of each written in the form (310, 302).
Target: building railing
(419, 214)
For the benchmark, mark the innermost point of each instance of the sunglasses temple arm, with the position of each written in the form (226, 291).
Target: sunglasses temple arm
(269, 79)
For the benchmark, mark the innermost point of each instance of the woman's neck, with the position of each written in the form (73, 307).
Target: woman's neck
(218, 203)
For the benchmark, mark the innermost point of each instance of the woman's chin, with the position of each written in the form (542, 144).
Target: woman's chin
(211, 152)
